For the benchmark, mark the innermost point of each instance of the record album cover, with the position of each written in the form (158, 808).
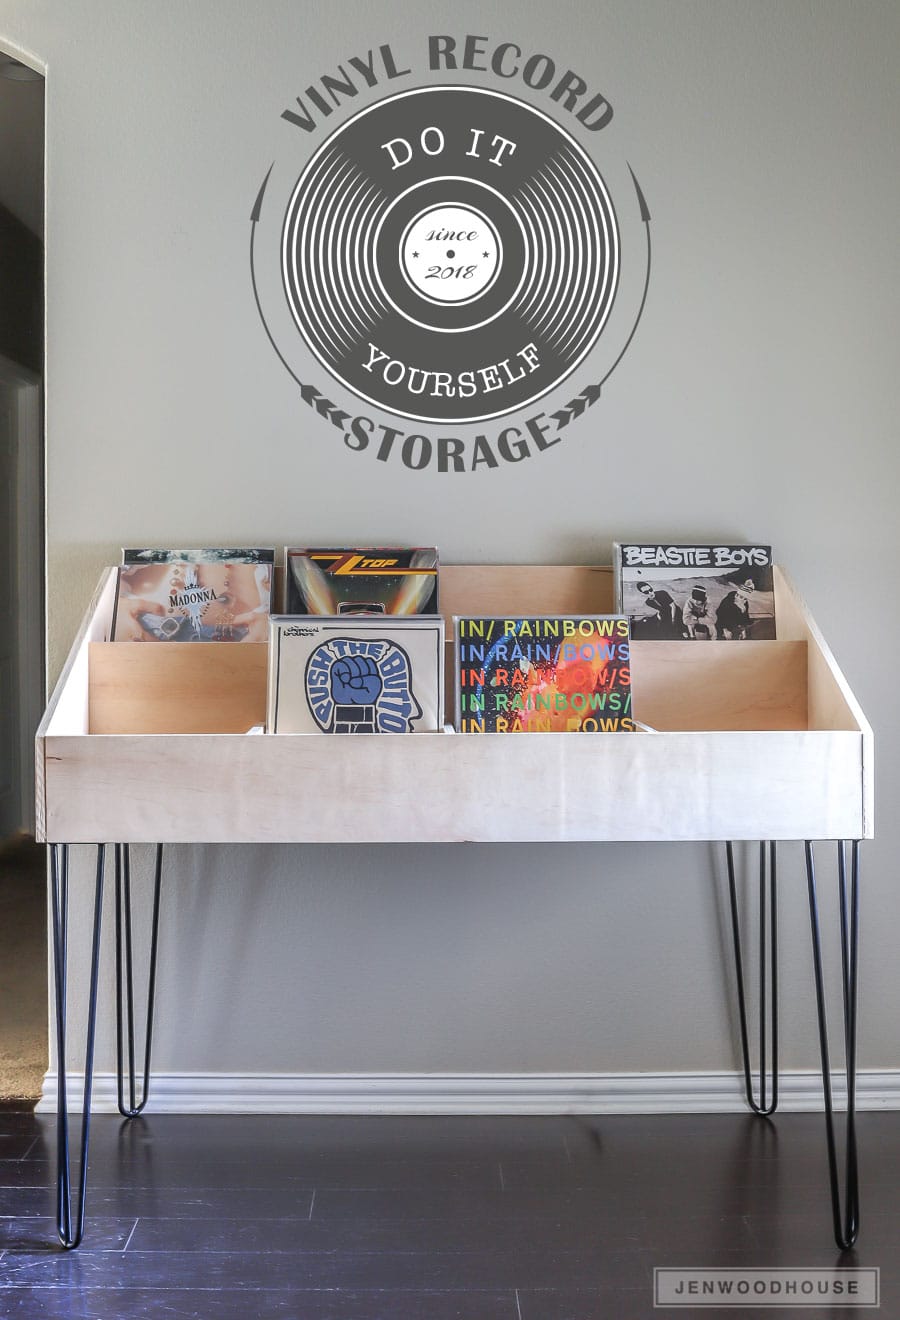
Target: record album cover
(551, 674)
(361, 581)
(210, 595)
(355, 674)
(696, 592)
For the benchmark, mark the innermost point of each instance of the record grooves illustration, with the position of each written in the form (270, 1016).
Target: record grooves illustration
(450, 254)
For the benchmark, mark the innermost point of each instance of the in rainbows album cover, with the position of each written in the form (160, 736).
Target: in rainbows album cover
(547, 674)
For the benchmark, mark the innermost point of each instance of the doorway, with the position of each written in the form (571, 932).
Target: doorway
(21, 436)
(21, 592)
(23, 939)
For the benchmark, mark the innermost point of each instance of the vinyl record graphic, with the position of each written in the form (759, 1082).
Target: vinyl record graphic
(450, 254)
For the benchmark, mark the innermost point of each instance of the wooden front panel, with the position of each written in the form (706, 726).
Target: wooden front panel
(455, 787)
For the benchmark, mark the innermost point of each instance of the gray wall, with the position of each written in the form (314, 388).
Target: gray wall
(759, 399)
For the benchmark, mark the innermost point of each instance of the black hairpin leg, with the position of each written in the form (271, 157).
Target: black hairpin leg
(767, 1101)
(71, 1227)
(846, 1222)
(125, 983)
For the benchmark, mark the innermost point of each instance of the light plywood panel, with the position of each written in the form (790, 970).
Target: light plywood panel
(67, 709)
(508, 590)
(177, 687)
(832, 704)
(453, 787)
(726, 685)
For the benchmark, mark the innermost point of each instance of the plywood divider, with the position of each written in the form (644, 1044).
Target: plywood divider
(177, 687)
(509, 590)
(720, 686)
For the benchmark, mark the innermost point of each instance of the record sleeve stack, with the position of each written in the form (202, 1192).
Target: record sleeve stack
(360, 647)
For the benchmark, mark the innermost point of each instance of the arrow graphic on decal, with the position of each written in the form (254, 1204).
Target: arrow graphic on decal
(575, 407)
(579, 404)
(324, 407)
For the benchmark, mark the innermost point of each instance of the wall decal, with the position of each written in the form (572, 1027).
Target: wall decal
(449, 255)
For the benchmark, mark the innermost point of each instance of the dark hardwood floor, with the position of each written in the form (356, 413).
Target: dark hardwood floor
(351, 1218)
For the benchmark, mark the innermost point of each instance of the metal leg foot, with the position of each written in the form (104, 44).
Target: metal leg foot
(69, 1223)
(766, 1101)
(125, 983)
(846, 1220)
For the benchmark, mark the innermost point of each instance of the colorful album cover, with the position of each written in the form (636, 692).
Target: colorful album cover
(696, 592)
(355, 674)
(552, 674)
(211, 595)
(361, 581)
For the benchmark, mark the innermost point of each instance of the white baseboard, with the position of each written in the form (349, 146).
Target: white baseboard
(464, 1093)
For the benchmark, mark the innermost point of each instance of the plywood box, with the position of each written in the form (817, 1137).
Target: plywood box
(755, 740)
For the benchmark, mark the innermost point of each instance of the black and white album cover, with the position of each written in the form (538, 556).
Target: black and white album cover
(696, 592)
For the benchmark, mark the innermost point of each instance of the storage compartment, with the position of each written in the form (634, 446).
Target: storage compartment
(147, 742)
(172, 687)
